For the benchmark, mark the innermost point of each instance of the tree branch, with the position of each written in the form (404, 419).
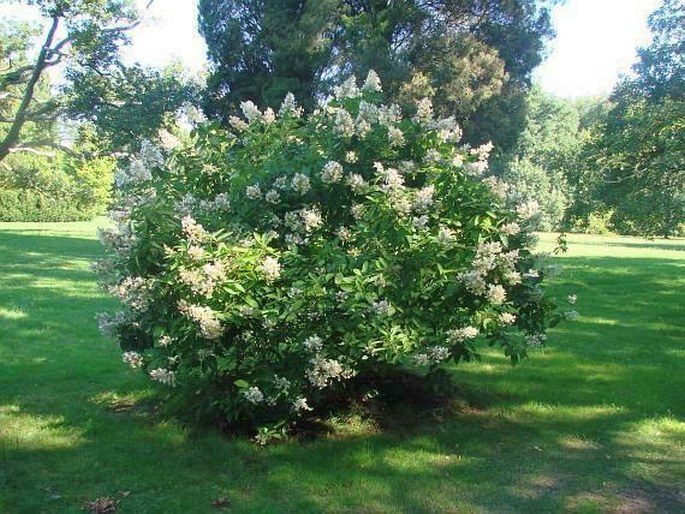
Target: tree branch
(33, 147)
(12, 135)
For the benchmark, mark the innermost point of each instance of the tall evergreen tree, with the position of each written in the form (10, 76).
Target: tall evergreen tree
(466, 53)
(261, 49)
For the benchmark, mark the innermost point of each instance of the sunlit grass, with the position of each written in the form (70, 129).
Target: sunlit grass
(25, 431)
(593, 423)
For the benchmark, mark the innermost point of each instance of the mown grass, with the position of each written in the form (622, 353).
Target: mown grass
(594, 423)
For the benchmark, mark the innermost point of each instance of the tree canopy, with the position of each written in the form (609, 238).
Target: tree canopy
(86, 33)
(639, 153)
(465, 54)
(124, 103)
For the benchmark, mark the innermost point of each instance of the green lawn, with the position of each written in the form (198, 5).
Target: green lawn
(594, 423)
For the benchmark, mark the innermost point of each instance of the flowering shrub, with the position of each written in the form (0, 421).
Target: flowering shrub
(265, 265)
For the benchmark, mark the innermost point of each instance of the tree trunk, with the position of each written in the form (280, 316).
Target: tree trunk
(12, 136)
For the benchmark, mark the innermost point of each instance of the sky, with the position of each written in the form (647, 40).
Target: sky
(596, 42)
(168, 34)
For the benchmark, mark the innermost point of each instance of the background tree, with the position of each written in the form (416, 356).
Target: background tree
(261, 49)
(543, 158)
(124, 105)
(636, 160)
(86, 33)
(104, 109)
(15, 44)
(465, 53)
(660, 67)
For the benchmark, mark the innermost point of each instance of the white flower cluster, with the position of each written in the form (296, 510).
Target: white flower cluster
(507, 318)
(420, 221)
(473, 281)
(196, 253)
(356, 182)
(185, 206)
(490, 256)
(281, 383)
(300, 404)
(395, 137)
(109, 324)
(189, 204)
(253, 192)
(272, 196)
(310, 219)
(210, 326)
(483, 151)
(220, 202)
(202, 281)
(135, 173)
(119, 239)
(528, 209)
(165, 341)
(253, 395)
(132, 292)
(424, 199)
(313, 344)
(150, 154)
(388, 115)
(381, 308)
(392, 179)
(167, 140)
(536, 340)
(510, 229)
(372, 84)
(163, 376)
(347, 89)
(448, 130)
(237, 123)
(487, 255)
(324, 371)
(344, 123)
(270, 268)
(105, 271)
(193, 230)
(251, 112)
(368, 112)
(269, 116)
(332, 172)
(458, 335)
(301, 183)
(133, 359)
(496, 294)
(446, 236)
(368, 115)
(434, 355)
(191, 114)
(303, 221)
(424, 112)
(289, 107)
(497, 187)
